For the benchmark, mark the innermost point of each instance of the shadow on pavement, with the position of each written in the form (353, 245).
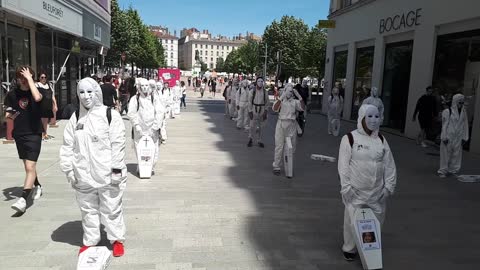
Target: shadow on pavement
(12, 193)
(298, 223)
(71, 233)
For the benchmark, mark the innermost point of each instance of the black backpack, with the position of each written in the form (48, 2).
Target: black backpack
(351, 141)
(109, 114)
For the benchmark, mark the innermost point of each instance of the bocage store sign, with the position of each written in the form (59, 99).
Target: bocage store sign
(401, 21)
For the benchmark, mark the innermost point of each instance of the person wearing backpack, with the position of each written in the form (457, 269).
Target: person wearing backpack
(145, 116)
(242, 105)
(455, 134)
(93, 158)
(367, 171)
(258, 103)
(335, 108)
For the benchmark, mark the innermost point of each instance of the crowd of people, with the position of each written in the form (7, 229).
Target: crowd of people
(93, 152)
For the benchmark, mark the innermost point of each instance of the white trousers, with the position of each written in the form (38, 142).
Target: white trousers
(378, 209)
(102, 206)
(451, 157)
(163, 129)
(284, 129)
(233, 109)
(243, 120)
(256, 126)
(330, 125)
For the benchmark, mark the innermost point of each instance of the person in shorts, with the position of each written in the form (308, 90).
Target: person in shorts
(24, 108)
(49, 103)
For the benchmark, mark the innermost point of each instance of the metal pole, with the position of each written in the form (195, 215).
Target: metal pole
(6, 52)
(53, 62)
(265, 65)
(64, 63)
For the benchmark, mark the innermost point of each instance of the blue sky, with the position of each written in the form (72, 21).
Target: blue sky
(226, 17)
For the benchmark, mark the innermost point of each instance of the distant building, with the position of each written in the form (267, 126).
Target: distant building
(209, 48)
(170, 44)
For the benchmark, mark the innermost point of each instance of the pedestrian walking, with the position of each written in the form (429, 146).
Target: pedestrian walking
(184, 95)
(335, 108)
(109, 92)
(93, 158)
(23, 106)
(427, 110)
(367, 171)
(213, 85)
(189, 81)
(48, 104)
(203, 85)
(455, 134)
(258, 103)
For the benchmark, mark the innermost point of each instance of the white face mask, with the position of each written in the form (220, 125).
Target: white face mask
(86, 98)
(159, 86)
(260, 83)
(145, 88)
(372, 119)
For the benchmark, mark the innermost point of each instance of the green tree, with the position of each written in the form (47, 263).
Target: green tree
(288, 36)
(249, 56)
(233, 63)
(220, 65)
(314, 53)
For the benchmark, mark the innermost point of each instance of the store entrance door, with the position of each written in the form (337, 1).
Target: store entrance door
(396, 83)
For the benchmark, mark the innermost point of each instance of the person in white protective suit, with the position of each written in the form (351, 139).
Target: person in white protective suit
(170, 98)
(93, 158)
(455, 134)
(177, 94)
(374, 100)
(287, 107)
(232, 104)
(367, 173)
(145, 116)
(258, 103)
(335, 108)
(163, 110)
(241, 100)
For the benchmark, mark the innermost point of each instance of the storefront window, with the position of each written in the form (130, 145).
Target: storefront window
(18, 41)
(340, 71)
(396, 83)
(363, 78)
(457, 69)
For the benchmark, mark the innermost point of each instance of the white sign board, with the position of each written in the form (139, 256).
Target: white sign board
(94, 258)
(49, 12)
(368, 238)
(288, 157)
(145, 155)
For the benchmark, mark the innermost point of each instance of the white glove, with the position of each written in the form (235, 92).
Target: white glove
(385, 193)
(71, 177)
(138, 129)
(348, 195)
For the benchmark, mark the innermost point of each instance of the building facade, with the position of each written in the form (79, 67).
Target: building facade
(65, 39)
(210, 49)
(402, 47)
(169, 43)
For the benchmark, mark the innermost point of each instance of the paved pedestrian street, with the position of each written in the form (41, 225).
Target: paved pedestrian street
(214, 204)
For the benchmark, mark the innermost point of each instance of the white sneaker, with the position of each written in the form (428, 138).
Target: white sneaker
(37, 192)
(424, 145)
(20, 205)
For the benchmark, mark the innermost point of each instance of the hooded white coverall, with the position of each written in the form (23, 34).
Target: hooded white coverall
(335, 108)
(454, 131)
(374, 100)
(258, 103)
(286, 124)
(241, 100)
(233, 104)
(145, 118)
(162, 109)
(93, 157)
(367, 176)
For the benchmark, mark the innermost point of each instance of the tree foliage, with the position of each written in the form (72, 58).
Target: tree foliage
(131, 36)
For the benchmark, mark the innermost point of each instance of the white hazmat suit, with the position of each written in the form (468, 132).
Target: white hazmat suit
(335, 108)
(258, 103)
(93, 157)
(163, 106)
(286, 124)
(145, 116)
(367, 172)
(374, 100)
(454, 135)
(177, 94)
(232, 93)
(241, 100)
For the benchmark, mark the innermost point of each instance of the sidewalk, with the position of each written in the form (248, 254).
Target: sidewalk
(214, 204)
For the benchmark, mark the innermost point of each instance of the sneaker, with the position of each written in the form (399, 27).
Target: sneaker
(37, 192)
(424, 145)
(164, 142)
(276, 172)
(349, 256)
(82, 249)
(261, 145)
(442, 175)
(20, 205)
(118, 249)
(250, 143)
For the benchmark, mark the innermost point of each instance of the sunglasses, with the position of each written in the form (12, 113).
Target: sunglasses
(43, 77)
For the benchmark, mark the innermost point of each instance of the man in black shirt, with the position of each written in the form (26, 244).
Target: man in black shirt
(427, 110)
(110, 98)
(23, 106)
